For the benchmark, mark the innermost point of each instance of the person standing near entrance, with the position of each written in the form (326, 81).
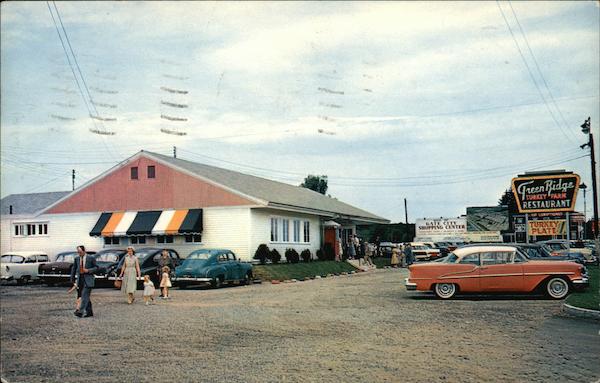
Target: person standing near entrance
(408, 254)
(83, 273)
(131, 270)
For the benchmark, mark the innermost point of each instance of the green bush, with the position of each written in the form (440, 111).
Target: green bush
(262, 253)
(291, 256)
(306, 255)
(329, 252)
(275, 256)
(320, 255)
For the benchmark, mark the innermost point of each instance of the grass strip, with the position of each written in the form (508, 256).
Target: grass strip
(285, 271)
(590, 298)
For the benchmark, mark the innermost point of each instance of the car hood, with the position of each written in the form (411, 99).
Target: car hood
(189, 266)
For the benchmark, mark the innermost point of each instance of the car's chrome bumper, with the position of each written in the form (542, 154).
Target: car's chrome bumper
(581, 283)
(54, 276)
(191, 279)
(409, 285)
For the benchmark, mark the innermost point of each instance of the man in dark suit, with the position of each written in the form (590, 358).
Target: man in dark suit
(82, 272)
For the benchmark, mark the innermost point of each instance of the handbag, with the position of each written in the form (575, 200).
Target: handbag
(118, 283)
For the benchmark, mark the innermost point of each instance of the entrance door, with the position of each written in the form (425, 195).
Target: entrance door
(331, 238)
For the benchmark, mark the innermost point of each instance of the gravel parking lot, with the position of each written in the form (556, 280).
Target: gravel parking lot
(359, 328)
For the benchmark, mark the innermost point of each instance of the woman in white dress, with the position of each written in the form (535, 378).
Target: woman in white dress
(129, 272)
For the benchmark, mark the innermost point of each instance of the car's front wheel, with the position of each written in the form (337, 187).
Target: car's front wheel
(557, 288)
(445, 290)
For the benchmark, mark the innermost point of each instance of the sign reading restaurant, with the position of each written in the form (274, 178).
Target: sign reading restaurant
(546, 193)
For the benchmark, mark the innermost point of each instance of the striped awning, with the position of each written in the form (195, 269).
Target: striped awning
(156, 222)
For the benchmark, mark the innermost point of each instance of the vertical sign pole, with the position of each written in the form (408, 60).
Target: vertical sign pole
(568, 227)
(526, 227)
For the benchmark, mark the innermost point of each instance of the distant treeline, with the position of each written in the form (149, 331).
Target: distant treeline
(395, 232)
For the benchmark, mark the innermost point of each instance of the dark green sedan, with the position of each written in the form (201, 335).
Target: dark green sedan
(212, 266)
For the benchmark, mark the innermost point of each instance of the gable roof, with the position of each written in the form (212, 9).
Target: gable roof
(29, 203)
(277, 194)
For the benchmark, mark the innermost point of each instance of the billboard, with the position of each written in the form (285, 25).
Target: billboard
(547, 193)
(487, 218)
(440, 228)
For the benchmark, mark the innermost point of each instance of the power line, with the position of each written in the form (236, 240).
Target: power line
(531, 74)
(538, 67)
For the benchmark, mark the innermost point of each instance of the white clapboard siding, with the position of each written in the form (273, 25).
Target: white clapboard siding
(65, 233)
(227, 228)
(261, 231)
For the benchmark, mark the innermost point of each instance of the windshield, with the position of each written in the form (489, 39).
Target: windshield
(200, 254)
(420, 247)
(108, 257)
(450, 258)
(65, 258)
(12, 259)
(556, 246)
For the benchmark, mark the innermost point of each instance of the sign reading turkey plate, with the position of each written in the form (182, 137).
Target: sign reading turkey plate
(546, 193)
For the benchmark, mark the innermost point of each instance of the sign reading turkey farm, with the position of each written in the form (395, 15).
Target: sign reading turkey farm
(546, 193)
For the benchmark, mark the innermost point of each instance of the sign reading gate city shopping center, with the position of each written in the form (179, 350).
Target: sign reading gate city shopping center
(546, 193)
(440, 227)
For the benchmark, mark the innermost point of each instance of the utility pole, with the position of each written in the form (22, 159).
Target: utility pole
(405, 212)
(586, 128)
(73, 180)
(174, 151)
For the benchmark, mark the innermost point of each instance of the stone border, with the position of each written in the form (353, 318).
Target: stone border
(580, 312)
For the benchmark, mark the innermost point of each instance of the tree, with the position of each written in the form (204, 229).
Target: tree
(316, 183)
(508, 199)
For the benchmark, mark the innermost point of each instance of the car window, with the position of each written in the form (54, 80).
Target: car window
(495, 257)
(108, 257)
(532, 252)
(451, 258)
(65, 258)
(42, 258)
(231, 256)
(519, 257)
(472, 259)
(6, 258)
(30, 259)
(222, 258)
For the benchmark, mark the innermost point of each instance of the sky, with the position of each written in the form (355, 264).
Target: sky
(441, 103)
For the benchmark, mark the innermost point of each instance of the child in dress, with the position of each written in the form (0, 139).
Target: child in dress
(165, 282)
(148, 290)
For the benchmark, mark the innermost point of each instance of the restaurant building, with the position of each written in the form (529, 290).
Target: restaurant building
(152, 200)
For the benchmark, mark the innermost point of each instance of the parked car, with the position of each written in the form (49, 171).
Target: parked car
(148, 258)
(560, 247)
(214, 266)
(21, 266)
(539, 251)
(108, 260)
(59, 271)
(424, 252)
(444, 248)
(499, 268)
(385, 249)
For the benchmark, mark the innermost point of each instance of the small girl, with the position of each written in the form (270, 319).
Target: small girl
(148, 290)
(165, 282)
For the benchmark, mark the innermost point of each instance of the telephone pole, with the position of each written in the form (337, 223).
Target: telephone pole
(586, 128)
(405, 212)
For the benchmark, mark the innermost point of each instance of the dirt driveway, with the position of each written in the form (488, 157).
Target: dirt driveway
(361, 328)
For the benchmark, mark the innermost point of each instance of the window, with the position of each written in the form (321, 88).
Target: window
(274, 236)
(42, 258)
(112, 240)
(137, 240)
(151, 171)
(285, 227)
(191, 238)
(306, 231)
(472, 259)
(495, 258)
(164, 239)
(30, 260)
(30, 229)
(134, 173)
(296, 230)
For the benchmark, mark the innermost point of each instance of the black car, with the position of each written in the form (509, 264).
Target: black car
(148, 258)
(59, 271)
(108, 260)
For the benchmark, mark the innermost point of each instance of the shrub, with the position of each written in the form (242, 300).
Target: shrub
(329, 252)
(306, 255)
(275, 256)
(320, 255)
(262, 253)
(291, 256)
